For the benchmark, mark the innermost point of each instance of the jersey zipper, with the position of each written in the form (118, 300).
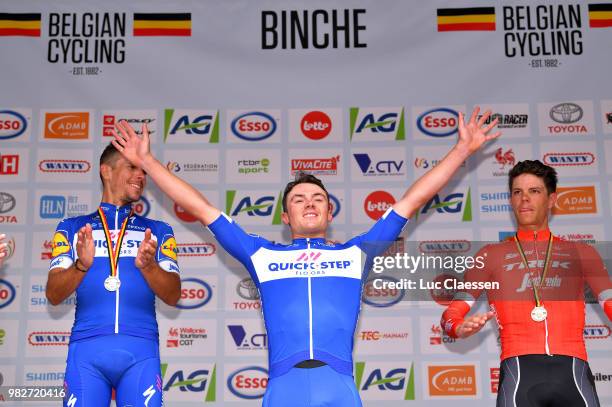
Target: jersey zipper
(311, 349)
(535, 249)
(117, 291)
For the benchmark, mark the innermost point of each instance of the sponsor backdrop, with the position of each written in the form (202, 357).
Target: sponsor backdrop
(238, 96)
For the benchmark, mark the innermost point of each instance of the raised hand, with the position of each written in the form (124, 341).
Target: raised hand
(146, 252)
(473, 324)
(3, 249)
(132, 147)
(85, 246)
(474, 133)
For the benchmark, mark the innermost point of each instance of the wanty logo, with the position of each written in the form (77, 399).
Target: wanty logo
(377, 122)
(452, 204)
(596, 332)
(9, 164)
(195, 293)
(316, 125)
(64, 166)
(12, 124)
(452, 380)
(263, 206)
(191, 124)
(44, 338)
(247, 342)
(575, 200)
(196, 381)
(7, 293)
(197, 249)
(381, 297)
(444, 246)
(377, 203)
(248, 383)
(505, 158)
(67, 125)
(316, 166)
(379, 168)
(439, 122)
(569, 159)
(253, 126)
(400, 380)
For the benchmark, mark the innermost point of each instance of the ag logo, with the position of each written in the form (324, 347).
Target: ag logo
(387, 378)
(262, 206)
(377, 122)
(191, 125)
(451, 204)
(191, 380)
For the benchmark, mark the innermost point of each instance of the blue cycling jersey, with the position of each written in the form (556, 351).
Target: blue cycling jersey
(131, 309)
(310, 289)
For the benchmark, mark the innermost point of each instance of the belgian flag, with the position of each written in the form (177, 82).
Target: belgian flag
(20, 24)
(600, 15)
(466, 19)
(162, 24)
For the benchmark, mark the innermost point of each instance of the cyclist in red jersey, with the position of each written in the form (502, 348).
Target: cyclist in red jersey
(539, 305)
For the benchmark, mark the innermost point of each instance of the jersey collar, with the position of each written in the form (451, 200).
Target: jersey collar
(110, 209)
(534, 235)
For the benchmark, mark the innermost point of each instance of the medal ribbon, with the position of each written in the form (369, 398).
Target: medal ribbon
(113, 254)
(546, 264)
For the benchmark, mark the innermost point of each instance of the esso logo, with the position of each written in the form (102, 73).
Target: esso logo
(438, 122)
(12, 124)
(377, 203)
(254, 126)
(316, 125)
(335, 202)
(183, 215)
(7, 293)
(141, 207)
(248, 383)
(381, 297)
(195, 293)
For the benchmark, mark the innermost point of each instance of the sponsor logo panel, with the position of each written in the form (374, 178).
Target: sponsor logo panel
(197, 249)
(608, 149)
(450, 204)
(566, 118)
(377, 124)
(66, 125)
(452, 381)
(493, 374)
(325, 164)
(576, 200)
(194, 166)
(316, 125)
(514, 120)
(571, 159)
(494, 203)
(590, 234)
(378, 164)
(496, 161)
(194, 382)
(245, 382)
(198, 293)
(606, 116)
(13, 206)
(369, 205)
(44, 375)
(135, 118)
(253, 166)
(247, 126)
(15, 124)
(196, 337)
(14, 165)
(601, 368)
(52, 207)
(54, 165)
(254, 207)
(241, 294)
(381, 336)
(8, 375)
(48, 338)
(435, 122)
(183, 126)
(434, 341)
(9, 331)
(245, 337)
(38, 301)
(425, 158)
(10, 293)
(385, 380)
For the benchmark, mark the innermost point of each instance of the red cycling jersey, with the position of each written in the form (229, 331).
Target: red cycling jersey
(571, 265)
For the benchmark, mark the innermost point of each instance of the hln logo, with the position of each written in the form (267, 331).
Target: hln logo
(52, 207)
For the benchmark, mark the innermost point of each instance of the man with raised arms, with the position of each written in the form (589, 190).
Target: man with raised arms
(310, 289)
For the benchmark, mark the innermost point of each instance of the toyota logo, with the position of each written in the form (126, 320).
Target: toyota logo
(7, 202)
(566, 113)
(247, 289)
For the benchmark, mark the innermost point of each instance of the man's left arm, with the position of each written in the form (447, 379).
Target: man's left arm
(472, 135)
(597, 277)
(158, 266)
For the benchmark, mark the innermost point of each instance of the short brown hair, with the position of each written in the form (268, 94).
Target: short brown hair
(302, 177)
(535, 167)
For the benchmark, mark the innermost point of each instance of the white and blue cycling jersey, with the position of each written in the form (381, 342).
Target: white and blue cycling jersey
(131, 309)
(310, 289)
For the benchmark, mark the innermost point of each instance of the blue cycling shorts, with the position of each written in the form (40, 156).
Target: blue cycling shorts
(317, 387)
(128, 364)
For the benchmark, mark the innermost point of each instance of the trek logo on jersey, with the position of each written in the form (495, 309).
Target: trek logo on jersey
(169, 247)
(190, 379)
(64, 166)
(444, 246)
(251, 207)
(456, 380)
(455, 203)
(195, 293)
(378, 168)
(60, 244)
(246, 341)
(575, 200)
(596, 332)
(381, 297)
(9, 164)
(12, 124)
(195, 249)
(385, 381)
(7, 293)
(439, 122)
(66, 125)
(568, 159)
(377, 124)
(254, 126)
(39, 338)
(248, 383)
(187, 126)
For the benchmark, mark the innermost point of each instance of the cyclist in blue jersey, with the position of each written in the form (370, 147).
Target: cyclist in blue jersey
(117, 262)
(310, 289)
